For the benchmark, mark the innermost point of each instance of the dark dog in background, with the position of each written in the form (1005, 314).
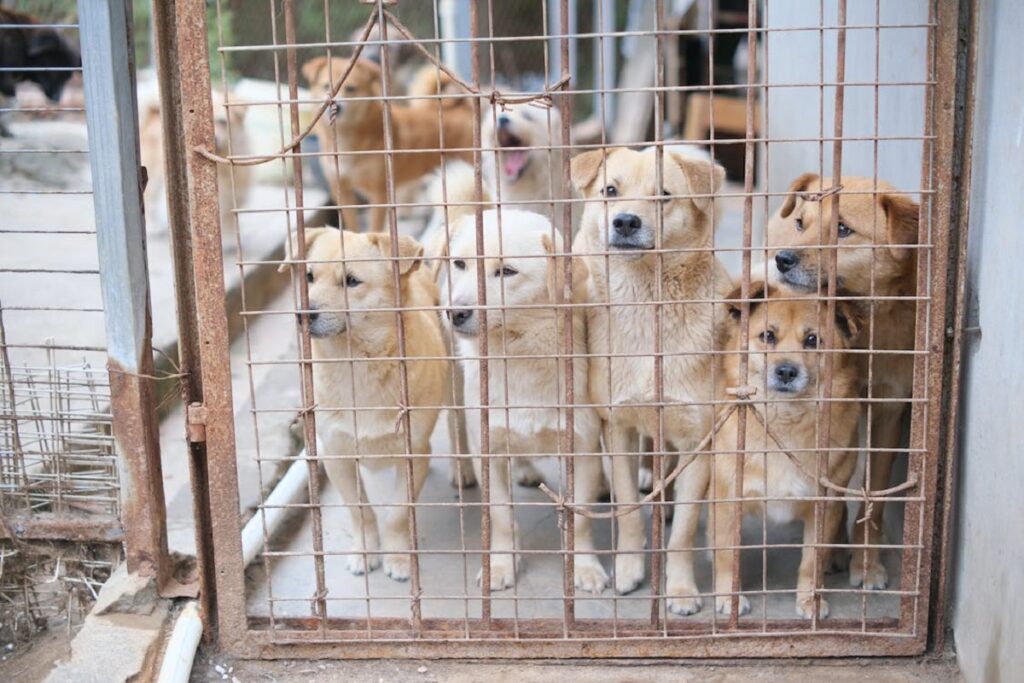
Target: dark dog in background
(29, 54)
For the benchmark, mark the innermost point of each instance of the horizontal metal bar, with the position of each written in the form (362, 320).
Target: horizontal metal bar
(53, 527)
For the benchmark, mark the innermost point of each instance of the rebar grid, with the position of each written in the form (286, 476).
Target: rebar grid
(441, 601)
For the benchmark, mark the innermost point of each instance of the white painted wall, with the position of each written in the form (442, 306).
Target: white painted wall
(988, 616)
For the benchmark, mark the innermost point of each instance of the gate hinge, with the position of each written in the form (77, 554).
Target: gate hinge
(195, 423)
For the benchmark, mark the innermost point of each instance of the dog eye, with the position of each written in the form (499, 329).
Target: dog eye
(666, 195)
(800, 224)
(459, 264)
(609, 191)
(505, 271)
(352, 281)
(844, 230)
(768, 337)
(526, 115)
(349, 89)
(309, 276)
(811, 341)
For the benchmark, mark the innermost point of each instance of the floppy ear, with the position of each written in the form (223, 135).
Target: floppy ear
(372, 67)
(758, 290)
(799, 185)
(293, 246)
(410, 252)
(850, 317)
(901, 214)
(556, 272)
(585, 167)
(311, 69)
(703, 177)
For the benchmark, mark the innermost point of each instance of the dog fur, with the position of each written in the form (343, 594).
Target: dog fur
(885, 227)
(690, 331)
(785, 368)
(350, 278)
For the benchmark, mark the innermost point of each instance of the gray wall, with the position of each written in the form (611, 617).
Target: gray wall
(988, 618)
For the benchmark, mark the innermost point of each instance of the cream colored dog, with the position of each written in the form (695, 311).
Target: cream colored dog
(350, 278)
(785, 367)
(525, 319)
(621, 337)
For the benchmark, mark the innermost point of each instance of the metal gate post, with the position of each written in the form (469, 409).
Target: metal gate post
(112, 119)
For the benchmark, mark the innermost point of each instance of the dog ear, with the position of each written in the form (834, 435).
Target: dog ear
(901, 214)
(311, 69)
(799, 185)
(585, 167)
(556, 272)
(759, 289)
(704, 178)
(42, 42)
(293, 246)
(410, 252)
(850, 317)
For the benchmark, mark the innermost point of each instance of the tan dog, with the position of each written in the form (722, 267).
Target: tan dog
(357, 125)
(786, 368)
(350, 279)
(524, 291)
(883, 227)
(230, 137)
(625, 225)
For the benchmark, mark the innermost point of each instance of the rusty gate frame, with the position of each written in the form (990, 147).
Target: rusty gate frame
(185, 82)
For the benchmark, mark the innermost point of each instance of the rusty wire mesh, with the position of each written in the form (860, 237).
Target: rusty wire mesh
(672, 577)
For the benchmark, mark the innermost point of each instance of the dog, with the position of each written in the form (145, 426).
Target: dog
(230, 137)
(355, 126)
(25, 50)
(350, 278)
(618, 238)
(884, 228)
(525, 276)
(786, 365)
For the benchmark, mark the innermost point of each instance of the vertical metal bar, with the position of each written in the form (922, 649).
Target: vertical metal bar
(562, 63)
(210, 332)
(112, 120)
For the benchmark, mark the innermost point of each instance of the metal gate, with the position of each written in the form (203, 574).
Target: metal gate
(300, 600)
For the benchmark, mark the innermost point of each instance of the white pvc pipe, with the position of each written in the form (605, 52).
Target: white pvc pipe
(181, 648)
(293, 488)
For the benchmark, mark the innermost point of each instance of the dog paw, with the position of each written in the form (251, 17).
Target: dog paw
(461, 475)
(590, 575)
(723, 603)
(396, 566)
(645, 480)
(362, 563)
(526, 474)
(876, 578)
(503, 573)
(836, 562)
(629, 572)
(683, 601)
(805, 606)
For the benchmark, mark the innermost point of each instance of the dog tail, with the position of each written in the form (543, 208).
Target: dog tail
(430, 81)
(452, 191)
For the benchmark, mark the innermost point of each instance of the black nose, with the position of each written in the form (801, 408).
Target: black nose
(786, 372)
(786, 260)
(503, 121)
(626, 223)
(459, 317)
(311, 316)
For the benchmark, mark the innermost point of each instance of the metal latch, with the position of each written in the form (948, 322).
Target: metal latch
(195, 423)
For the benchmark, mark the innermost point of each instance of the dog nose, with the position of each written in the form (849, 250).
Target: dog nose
(786, 372)
(503, 121)
(311, 316)
(786, 260)
(460, 316)
(626, 223)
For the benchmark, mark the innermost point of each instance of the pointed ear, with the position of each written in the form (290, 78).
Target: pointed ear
(703, 177)
(799, 185)
(758, 290)
(410, 252)
(585, 167)
(556, 273)
(850, 317)
(293, 246)
(901, 217)
(311, 69)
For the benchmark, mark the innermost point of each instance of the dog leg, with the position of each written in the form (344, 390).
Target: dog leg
(690, 491)
(807, 578)
(344, 474)
(395, 539)
(503, 564)
(346, 198)
(526, 474)
(629, 561)
(587, 475)
(645, 477)
(866, 566)
(723, 517)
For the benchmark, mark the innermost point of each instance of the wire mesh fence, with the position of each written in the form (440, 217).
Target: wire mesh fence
(628, 340)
